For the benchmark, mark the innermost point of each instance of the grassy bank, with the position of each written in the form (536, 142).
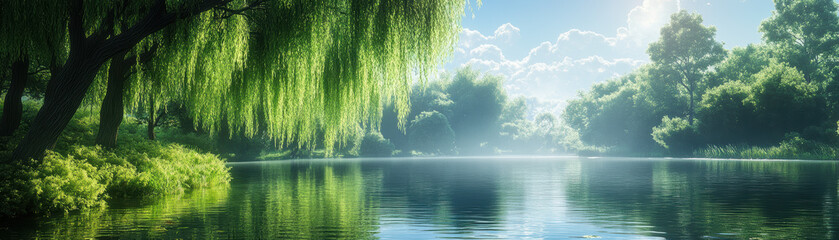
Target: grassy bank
(77, 175)
(795, 148)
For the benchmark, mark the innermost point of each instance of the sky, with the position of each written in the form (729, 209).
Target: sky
(549, 50)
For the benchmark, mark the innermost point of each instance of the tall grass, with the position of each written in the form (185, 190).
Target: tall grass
(795, 148)
(77, 175)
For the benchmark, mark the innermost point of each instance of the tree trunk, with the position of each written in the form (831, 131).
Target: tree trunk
(111, 113)
(63, 96)
(690, 109)
(2, 81)
(691, 90)
(13, 107)
(152, 121)
(87, 54)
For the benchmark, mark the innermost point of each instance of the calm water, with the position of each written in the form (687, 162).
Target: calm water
(551, 198)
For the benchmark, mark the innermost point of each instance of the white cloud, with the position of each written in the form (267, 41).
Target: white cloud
(505, 33)
(643, 22)
(556, 71)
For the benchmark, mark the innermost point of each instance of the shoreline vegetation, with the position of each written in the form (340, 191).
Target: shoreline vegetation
(184, 97)
(776, 99)
(79, 175)
(111, 98)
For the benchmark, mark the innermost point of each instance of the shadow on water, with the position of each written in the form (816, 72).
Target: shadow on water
(482, 198)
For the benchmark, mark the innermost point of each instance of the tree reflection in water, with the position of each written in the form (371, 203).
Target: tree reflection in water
(482, 198)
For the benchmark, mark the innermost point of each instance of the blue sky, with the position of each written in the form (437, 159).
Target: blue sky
(551, 49)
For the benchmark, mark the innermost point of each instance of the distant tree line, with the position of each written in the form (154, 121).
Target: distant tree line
(695, 94)
(468, 113)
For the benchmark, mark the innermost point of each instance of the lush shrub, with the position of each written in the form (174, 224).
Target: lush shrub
(675, 134)
(727, 115)
(431, 133)
(77, 175)
(784, 102)
(619, 114)
(374, 145)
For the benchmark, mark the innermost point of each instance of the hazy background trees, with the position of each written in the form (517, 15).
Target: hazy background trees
(469, 113)
(695, 95)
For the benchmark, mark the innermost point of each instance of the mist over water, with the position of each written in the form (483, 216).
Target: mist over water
(513, 197)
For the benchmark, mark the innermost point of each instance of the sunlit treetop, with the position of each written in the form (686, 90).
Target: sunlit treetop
(686, 44)
(806, 32)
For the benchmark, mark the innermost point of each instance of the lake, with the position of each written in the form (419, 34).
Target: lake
(494, 197)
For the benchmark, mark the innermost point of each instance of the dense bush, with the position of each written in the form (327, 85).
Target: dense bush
(374, 145)
(431, 133)
(478, 111)
(477, 105)
(785, 102)
(618, 114)
(727, 114)
(675, 134)
(77, 175)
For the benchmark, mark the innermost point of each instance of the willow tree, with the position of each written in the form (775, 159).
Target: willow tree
(31, 37)
(305, 61)
(163, 65)
(112, 109)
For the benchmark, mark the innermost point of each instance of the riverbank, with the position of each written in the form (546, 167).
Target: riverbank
(792, 148)
(77, 175)
(795, 148)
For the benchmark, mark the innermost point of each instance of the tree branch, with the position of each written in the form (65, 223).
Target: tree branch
(157, 18)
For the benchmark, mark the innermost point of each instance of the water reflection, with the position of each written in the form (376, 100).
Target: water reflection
(483, 198)
(146, 218)
(300, 200)
(718, 199)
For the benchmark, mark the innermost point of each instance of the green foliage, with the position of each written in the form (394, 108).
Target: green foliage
(80, 176)
(792, 148)
(545, 134)
(688, 48)
(617, 114)
(514, 110)
(740, 64)
(519, 136)
(784, 101)
(687, 45)
(65, 184)
(805, 33)
(675, 134)
(754, 96)
(329, 64)
(291, 69)
(374, 145)
(487, 121)
(35, 28)
(431, 133)
(727, 114)
(478, 102)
